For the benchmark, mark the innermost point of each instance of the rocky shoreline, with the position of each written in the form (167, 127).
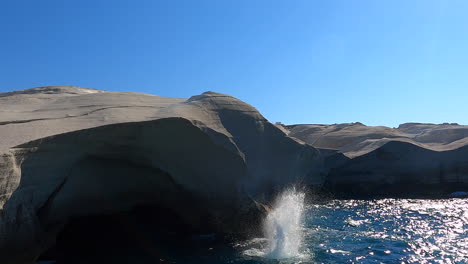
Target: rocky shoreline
(73, 157)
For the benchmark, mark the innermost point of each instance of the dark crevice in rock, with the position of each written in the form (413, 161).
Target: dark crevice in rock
(58, 118)
(89, 106)
(26, 121)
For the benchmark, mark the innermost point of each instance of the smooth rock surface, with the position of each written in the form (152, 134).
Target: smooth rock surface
(70, 152)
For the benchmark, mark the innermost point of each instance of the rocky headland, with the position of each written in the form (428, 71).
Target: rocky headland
(74, 157)
(75, 161)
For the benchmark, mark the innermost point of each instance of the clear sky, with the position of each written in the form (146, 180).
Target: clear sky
(299, 61)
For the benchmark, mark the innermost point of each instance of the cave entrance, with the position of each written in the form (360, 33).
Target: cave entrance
(141, 235)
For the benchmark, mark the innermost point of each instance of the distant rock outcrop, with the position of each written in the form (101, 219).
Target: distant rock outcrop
(413, 159)
(357, 139)
(71, 152)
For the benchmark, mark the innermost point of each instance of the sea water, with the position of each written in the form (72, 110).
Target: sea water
(378, 231)
(353, 231)
(342, 231)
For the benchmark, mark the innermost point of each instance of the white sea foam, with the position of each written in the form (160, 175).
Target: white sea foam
(283, 228)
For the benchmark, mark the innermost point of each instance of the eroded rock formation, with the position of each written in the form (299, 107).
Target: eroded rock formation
(412, 160)
(71, 152)
(84, 170)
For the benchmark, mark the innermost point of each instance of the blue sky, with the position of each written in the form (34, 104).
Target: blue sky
(300, 61)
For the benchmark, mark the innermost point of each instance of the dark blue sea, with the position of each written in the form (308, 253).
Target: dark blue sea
(354, 231)
(335, 231)
(387, 231)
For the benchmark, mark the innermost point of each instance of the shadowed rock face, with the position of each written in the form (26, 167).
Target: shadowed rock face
(72, 154)
(402, 169)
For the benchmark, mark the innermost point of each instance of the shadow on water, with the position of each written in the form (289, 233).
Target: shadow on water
(141, 235)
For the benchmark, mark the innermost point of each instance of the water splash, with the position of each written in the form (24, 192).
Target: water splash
(283, 226)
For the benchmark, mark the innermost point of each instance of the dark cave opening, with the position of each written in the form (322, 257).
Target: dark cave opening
(145, 234)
